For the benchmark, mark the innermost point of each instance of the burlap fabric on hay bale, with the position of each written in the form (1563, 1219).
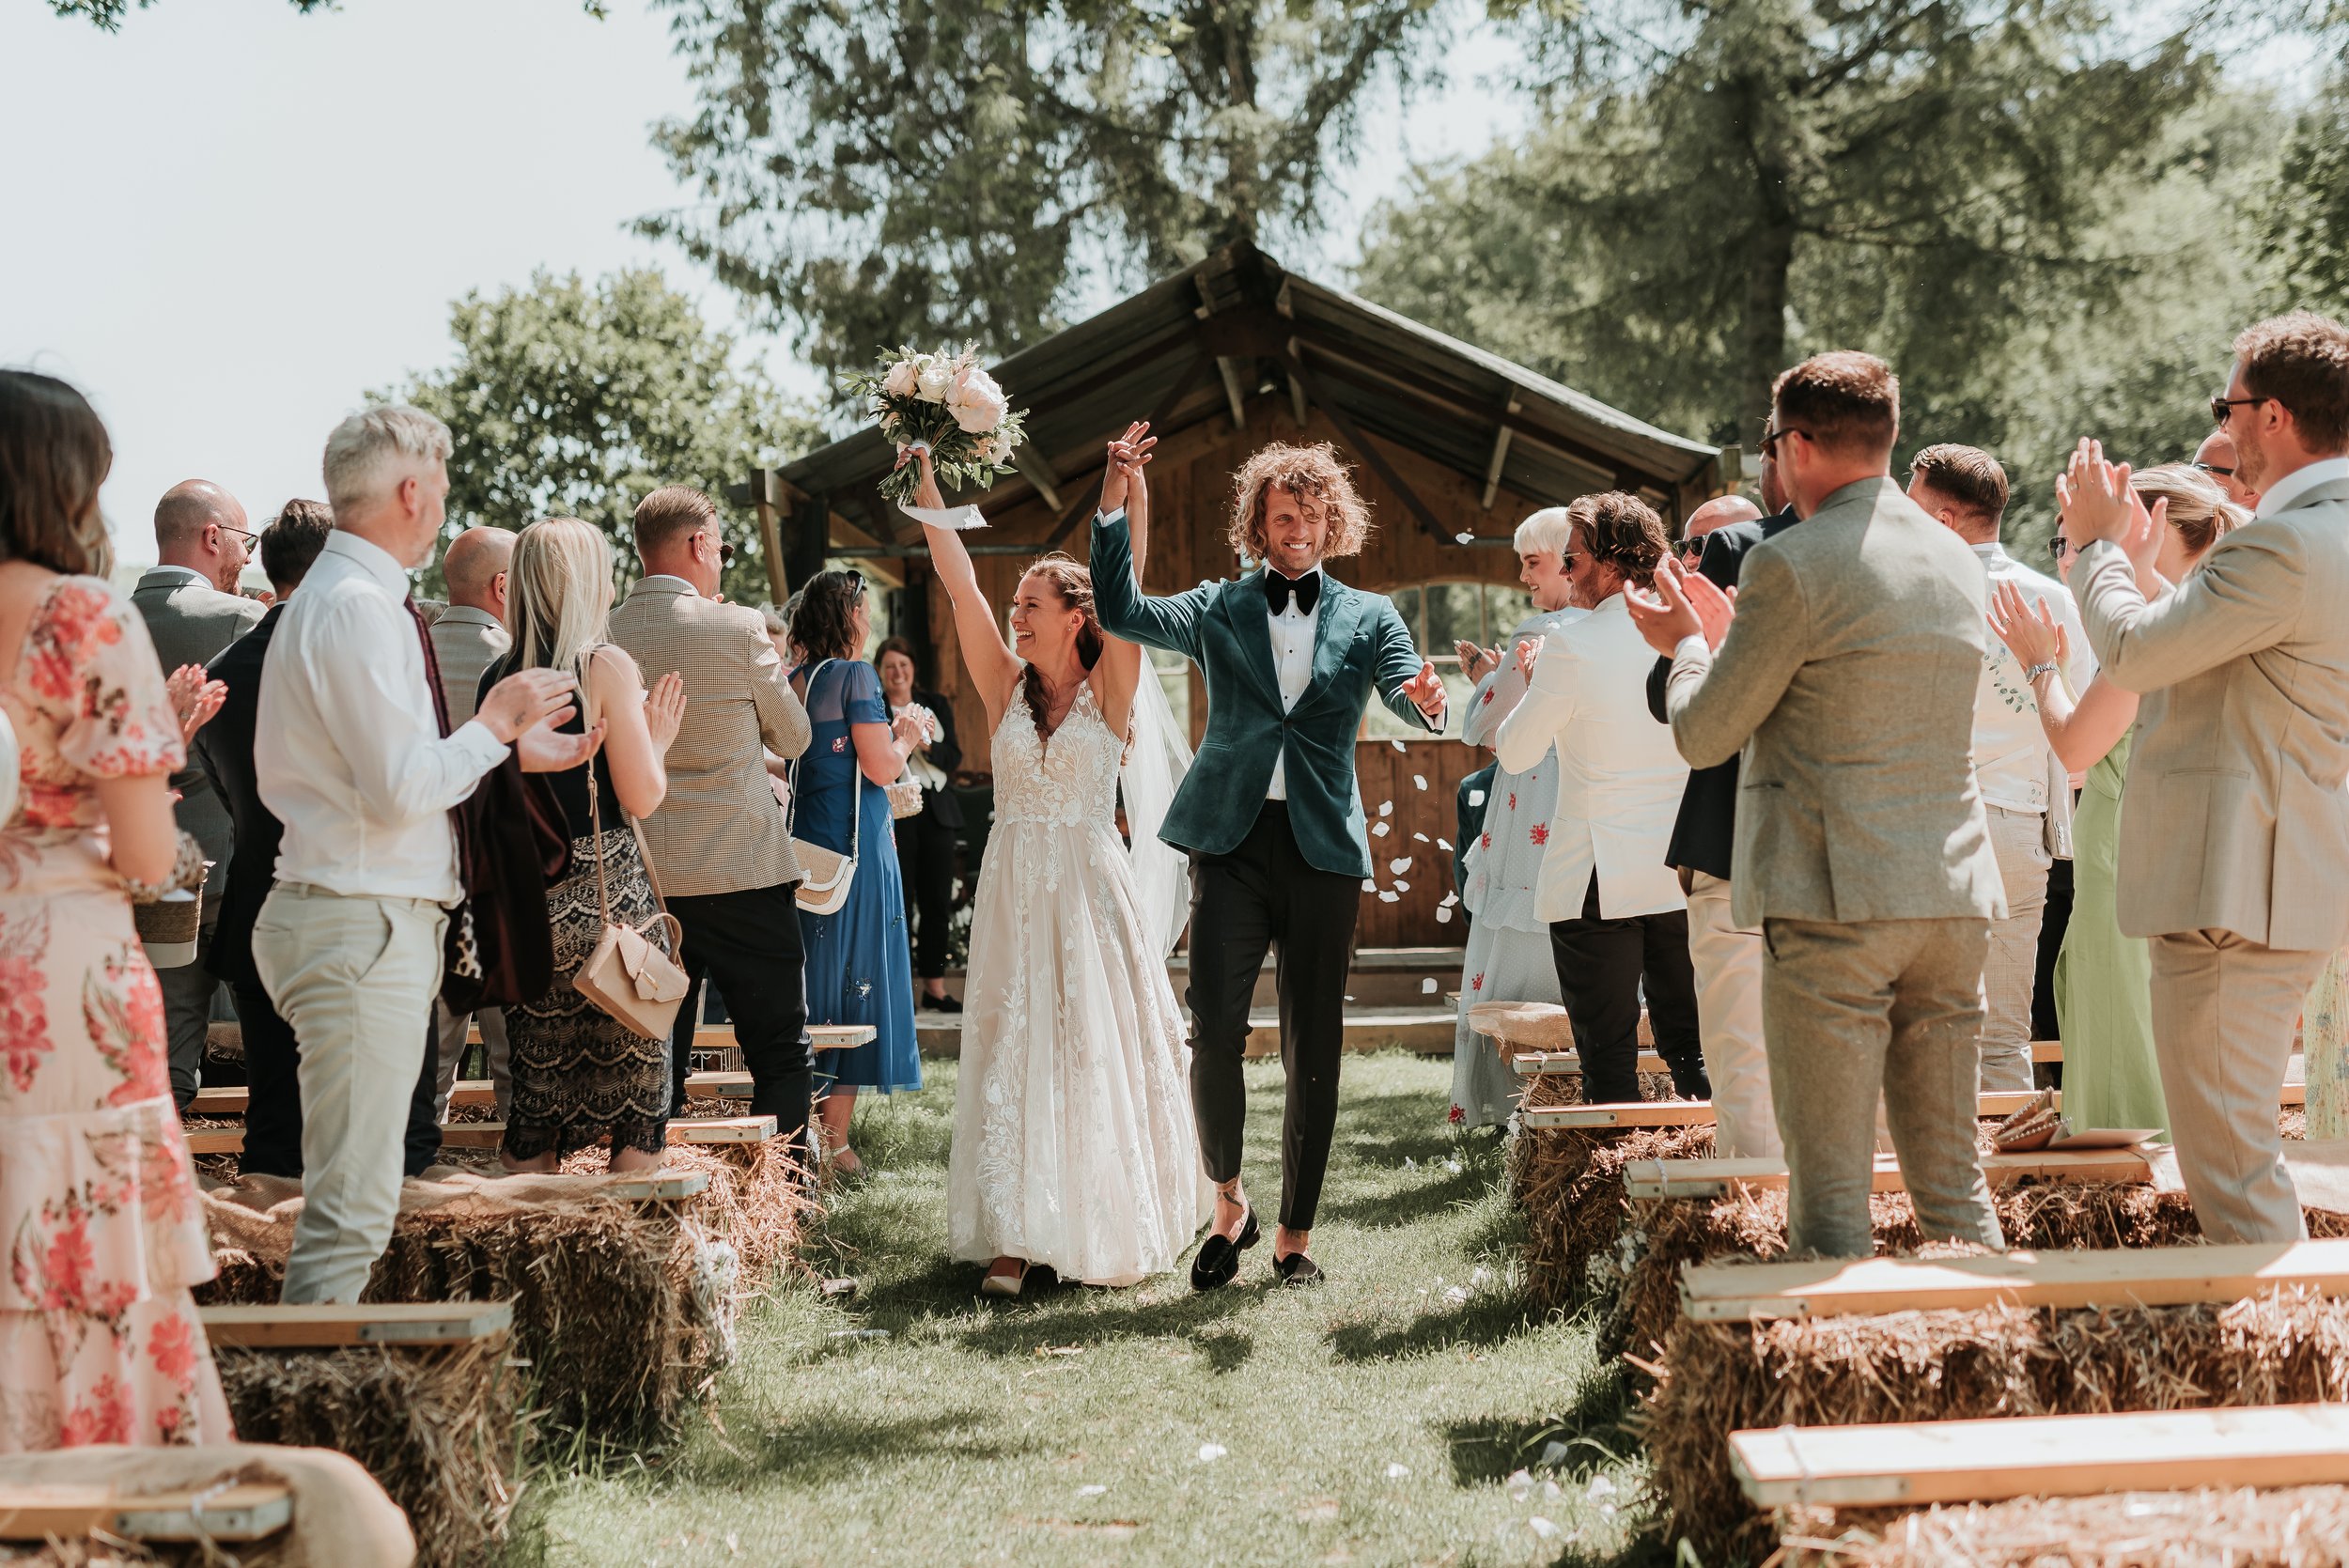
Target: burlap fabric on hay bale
(1719, 1378)
(2302, 1527)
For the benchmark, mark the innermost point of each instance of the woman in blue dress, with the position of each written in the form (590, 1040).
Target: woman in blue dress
(860, 967)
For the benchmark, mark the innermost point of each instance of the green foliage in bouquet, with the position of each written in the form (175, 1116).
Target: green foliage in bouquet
(948, 402)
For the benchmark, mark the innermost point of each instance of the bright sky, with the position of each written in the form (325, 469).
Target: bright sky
(240, 219)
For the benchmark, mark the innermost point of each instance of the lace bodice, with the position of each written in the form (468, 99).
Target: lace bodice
(1070, 783)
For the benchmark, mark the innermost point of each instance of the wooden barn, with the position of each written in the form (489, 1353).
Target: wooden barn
(1451, 446)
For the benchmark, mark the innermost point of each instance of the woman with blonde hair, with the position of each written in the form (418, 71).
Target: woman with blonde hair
(581, 1074)
(2103, 980)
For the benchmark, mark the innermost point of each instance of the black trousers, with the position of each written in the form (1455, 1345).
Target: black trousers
(926, 861)
(422, 1145)
(2057, 920)
(1264, 896)
(1601, 964)
(273, 1111)
(748, 942)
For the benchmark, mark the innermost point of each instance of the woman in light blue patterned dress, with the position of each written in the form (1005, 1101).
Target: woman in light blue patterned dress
(1508, 943)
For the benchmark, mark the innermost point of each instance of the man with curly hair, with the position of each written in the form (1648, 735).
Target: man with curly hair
(1269, 813)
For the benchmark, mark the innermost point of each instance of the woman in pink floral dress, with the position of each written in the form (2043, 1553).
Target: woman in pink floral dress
(98, 1218)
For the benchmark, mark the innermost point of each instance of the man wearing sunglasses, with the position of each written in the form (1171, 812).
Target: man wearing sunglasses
(2217, 458)
(2234, 835)
(193, 611)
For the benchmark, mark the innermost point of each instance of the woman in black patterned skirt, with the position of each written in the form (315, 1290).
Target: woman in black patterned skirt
(581, 1074)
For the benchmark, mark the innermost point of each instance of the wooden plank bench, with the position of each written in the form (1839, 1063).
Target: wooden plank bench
(249, 1511)
(1898, 1465)
(330, 1325)
(1688, 1113)
(2123, 1277)
(827, 1036)
(1539, 1063)
(696, 1129)
(1714, 1178)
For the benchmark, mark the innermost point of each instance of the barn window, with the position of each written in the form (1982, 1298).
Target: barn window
(1439, 615)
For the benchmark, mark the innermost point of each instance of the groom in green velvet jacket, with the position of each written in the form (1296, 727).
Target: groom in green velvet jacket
(1269, 812)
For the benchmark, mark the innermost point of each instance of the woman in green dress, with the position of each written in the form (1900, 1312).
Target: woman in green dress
(2103, 980)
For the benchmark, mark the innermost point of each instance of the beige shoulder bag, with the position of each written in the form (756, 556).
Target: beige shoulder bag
(628, 975)
(825, 875)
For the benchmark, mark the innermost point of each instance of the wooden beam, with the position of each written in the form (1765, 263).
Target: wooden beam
(1689, 1114)
(1500, 452)
(1033, 468)
(1566, 1063)
(248, 1511)
(718, 1086)
(332, 1325)
(2141, 1277)
(767, 489)
(1298, 402)
(1915, 1463)
(683, 1129)
(828, 1037)
(1193, 374)
(1716, 1178)
(1370, 455)
(1234, 393)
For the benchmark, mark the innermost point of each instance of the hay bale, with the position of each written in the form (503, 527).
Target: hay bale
(2290, 1347)
(2303, 1527)
(438, 1428)
(1569, 1181)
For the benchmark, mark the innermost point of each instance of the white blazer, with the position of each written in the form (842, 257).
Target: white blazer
(1620, 777)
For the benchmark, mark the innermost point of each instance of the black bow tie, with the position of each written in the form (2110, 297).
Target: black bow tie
(1277, 589)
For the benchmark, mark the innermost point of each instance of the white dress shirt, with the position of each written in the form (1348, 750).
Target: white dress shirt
(2289, 488)
(1293, 662)
(2013, 761)
(348, 752)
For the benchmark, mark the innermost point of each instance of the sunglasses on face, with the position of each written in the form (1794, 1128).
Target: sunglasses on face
(2062, 549)
(2222, 408)
(725, 548)
(2214, 468)
(1771, 437)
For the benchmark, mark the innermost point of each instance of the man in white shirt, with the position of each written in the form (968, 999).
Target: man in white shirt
(2234, 832)
(2025, 790)
(349, 754)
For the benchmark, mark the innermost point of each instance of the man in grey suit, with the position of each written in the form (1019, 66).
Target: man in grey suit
(719, 848)
(2234, 831)
(1846, 670)
(193, 611)
(465, 638)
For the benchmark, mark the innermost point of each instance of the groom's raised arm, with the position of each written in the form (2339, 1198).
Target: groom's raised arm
(1398, 662)
(1171, 623)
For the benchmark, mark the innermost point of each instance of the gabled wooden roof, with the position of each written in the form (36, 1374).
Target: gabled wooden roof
(1239, 325)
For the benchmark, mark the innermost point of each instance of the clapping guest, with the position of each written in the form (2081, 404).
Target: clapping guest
(352, 755)
(193, 610)
(99, 1337)
(926, 843)
(2104, 1005)
(466, 637)
(581, 1074)
(860, 967)
(272, 1114)
(1617, 917)
(1508, 956)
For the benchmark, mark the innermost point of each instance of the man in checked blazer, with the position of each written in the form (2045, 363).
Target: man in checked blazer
(2235, 831)
(1846, 672)
(719, 848)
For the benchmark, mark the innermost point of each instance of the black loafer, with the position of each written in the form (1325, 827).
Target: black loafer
(1219, 1256)
(1296, 1270)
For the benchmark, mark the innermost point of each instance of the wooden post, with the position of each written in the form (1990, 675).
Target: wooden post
(767, 493)
(811, 538)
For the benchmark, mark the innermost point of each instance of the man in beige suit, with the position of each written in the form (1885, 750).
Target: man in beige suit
(2234, 831)
(1846, 671)
(718, 843)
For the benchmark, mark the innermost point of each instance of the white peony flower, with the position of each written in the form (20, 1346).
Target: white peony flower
(976, 402)
(933, 377)
(902, 378)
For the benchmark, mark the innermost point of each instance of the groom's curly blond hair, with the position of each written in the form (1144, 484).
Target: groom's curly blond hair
(1311, 472)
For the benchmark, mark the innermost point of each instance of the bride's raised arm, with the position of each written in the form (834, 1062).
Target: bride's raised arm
(991, 665)
(1123, 485)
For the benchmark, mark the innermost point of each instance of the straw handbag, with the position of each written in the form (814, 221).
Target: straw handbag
(826, 874)
(628, 975)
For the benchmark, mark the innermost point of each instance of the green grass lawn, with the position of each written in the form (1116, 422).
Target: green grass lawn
(1376, 1420)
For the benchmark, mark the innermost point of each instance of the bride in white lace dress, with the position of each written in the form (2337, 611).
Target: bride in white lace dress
(1074, 1147)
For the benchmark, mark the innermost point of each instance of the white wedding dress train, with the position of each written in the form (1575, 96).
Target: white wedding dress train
(1074, 1145)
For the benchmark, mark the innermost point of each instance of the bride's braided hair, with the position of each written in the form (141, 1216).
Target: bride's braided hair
(1072, 584)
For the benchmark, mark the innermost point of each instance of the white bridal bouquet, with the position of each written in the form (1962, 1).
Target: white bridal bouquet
(947, 403)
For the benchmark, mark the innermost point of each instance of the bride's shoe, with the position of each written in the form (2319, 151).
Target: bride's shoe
(1005, 1286)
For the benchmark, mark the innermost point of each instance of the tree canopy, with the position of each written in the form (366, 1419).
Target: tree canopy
(569, 398)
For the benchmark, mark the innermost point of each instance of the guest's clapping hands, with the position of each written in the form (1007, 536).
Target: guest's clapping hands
(2094, 496)
(1425, 690)
(1684, 604)
(910, 732)
(1127, 455)
(544, 749)
(527, 699)
(2030, 631)
(1528, 655)
(195, 698)
(664, 710)
(1475, 662)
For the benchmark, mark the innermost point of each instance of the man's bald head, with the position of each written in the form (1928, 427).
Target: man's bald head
(475, 567)
(2217, 458)
(200, 526)
(1719, 512)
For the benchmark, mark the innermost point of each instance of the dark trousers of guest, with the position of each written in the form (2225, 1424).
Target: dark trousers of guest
(188, 990)
(422, 1146)
(272, 1111)
(748, 942)
(1601, 963)
(926, 861)
(1264, 896)
(2051, 928)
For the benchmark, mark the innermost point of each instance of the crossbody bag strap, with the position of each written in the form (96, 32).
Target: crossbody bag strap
(791, 765)
(856, 797)
(594, 805)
